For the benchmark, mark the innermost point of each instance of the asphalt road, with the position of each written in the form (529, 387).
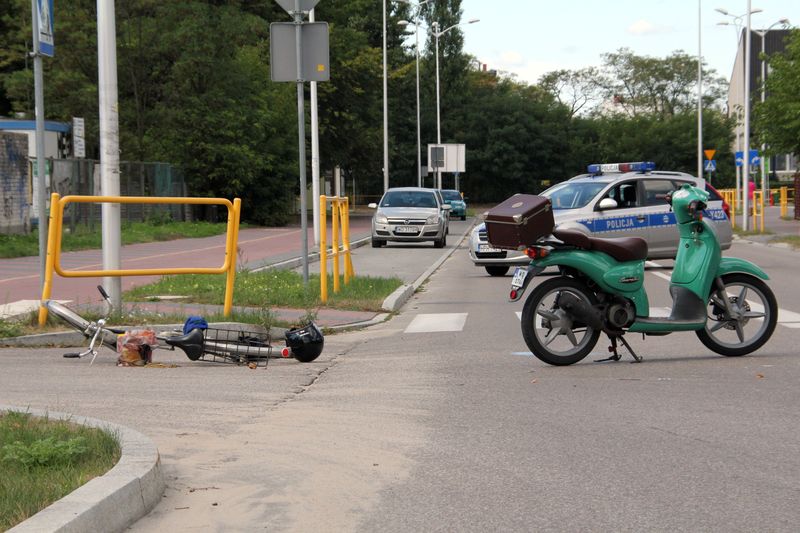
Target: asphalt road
(439, 420)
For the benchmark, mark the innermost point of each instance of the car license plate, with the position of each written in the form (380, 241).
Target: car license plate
(406, 229)
(485, 248)
(519, 277)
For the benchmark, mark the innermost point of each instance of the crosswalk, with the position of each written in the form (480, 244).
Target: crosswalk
(455, 322)
(21, 308)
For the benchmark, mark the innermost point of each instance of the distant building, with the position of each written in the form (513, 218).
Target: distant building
(56, 136)
(773, 42)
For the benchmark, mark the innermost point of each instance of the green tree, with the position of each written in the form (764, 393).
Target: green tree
(641, 84)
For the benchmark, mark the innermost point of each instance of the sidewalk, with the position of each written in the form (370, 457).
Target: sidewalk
(774, 226)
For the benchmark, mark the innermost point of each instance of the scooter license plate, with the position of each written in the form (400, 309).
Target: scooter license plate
(520, 273)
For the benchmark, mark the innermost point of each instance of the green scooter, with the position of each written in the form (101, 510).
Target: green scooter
(600, 289)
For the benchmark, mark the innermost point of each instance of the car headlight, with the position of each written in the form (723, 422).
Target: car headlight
(381, 219)
(433, 219)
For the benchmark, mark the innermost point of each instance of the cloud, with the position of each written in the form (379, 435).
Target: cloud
(513, 62)
(645, 27)
(512, 58)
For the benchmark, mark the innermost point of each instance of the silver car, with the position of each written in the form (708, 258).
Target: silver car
(410, 214)
(614, 201)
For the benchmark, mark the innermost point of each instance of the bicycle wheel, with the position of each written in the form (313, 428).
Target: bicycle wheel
(77, 322)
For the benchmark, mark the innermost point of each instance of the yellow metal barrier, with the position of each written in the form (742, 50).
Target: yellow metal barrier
(758, 209)
(784, 202)
(53, 262)
(340, 216)
(729, 195)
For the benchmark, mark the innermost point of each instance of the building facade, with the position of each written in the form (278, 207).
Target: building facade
(770, 43)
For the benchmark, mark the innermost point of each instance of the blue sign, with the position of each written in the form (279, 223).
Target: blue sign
(45, 24)
(710, 165)
(754, 159)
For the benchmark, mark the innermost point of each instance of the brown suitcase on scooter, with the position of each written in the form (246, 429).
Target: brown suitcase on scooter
(519, 221)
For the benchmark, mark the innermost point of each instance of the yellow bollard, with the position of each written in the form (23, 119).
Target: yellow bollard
(335, 242)
(784, 202)
(323, 252)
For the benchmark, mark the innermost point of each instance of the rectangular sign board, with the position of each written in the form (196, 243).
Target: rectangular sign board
(314, 48)
(454, 157)
(44, 11)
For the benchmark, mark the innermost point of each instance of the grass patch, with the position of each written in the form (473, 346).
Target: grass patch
(792, 240)
(43, 460)
(750, 233)
(272, 288)
(85, 238)
(11, 328)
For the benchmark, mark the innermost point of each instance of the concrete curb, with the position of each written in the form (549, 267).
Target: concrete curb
(111, 502)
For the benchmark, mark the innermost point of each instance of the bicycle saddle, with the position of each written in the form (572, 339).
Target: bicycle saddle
(191, 343)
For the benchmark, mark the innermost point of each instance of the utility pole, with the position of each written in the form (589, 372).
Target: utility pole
(109, 144)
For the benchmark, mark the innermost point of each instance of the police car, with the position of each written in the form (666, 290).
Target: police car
(614, 200)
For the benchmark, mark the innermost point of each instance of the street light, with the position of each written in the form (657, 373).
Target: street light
(416, 48)
(763, 34)
(699, 93)
(737, 19)
(437, 34)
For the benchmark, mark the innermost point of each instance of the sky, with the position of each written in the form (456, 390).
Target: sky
(532, 37)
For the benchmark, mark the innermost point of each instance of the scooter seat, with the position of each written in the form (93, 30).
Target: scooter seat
(621, 248)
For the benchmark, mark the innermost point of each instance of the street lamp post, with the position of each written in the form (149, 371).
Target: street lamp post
(385, 109)
(763, 35)
(746, 149)
(436, 35)
(699, 93)
(416, 48)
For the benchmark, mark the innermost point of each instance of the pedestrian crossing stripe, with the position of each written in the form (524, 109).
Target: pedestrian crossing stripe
(449, 322)
(437, 322)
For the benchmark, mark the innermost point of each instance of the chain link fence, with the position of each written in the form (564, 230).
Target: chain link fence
(82, 177)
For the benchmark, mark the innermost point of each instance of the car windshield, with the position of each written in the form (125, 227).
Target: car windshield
(573, 195)
(451, 195)
(408, 199)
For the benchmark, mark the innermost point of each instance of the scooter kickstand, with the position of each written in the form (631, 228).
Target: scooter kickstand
(636, 358)
(613, 348)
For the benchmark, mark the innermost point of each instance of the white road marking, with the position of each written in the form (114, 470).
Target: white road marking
(437, 322)
(21, 307)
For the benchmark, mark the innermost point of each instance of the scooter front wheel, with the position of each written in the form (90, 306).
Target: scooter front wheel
(743, 324)
(551, 333)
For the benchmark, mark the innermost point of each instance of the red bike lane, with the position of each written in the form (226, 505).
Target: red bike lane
(20, 280)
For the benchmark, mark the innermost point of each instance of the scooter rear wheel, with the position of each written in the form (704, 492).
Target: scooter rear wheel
(754, 313)
(550, 332)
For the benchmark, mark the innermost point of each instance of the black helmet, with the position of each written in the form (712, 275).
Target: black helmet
(306, 343)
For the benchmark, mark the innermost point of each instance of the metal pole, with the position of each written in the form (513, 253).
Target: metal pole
(419, 138)
(314, 152)
(301, 134)
(699, 92)
(746, 153)
(764, 187)
(438, 116)
(41, 164)
(109, 144)
(385, 109)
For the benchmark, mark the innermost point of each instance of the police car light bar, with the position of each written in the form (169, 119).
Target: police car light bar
(639, 166)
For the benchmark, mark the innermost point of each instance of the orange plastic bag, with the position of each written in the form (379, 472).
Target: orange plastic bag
(135, 347)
